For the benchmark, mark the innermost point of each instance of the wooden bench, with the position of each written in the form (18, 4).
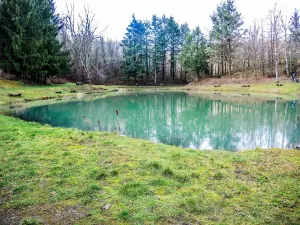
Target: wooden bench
(15, 95)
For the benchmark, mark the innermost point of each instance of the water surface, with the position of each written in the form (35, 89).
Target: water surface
(199, 122)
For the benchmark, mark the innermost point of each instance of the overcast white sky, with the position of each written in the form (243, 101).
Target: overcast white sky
(116, 14)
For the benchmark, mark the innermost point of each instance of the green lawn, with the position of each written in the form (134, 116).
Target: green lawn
(292, 90)
(66, 176)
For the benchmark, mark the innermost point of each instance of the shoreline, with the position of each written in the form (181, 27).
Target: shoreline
(52, 175)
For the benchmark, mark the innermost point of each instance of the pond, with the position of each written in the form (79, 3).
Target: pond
(177, 118)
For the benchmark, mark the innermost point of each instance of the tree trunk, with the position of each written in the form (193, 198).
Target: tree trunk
(276, 65)
(222, 62)
(276, 48)
(229, 57)
(163, 67)
(198, 75)
(262, 50)
(147, 63)
(286, 54)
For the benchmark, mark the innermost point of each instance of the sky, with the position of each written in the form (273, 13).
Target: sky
(116, 14)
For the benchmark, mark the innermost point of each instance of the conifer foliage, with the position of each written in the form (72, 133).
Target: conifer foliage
(194, 57)
(134, 48)
(156, 51)
(30, 47)
(226, 32)
(295, 26)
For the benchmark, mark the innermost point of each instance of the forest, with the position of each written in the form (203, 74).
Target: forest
(37, 43)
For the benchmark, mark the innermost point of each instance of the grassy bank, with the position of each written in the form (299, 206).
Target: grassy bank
(33, 93)
(65, 176)
(290, 89)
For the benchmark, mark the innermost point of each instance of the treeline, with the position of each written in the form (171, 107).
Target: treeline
(36, 43)
(269, 47)
(161, 50)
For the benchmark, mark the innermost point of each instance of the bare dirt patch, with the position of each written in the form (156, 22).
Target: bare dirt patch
(65, 215)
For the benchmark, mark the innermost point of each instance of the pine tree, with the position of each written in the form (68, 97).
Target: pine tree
(133, 49)
(15, 19)
(184, 32)
(56, 61)
(173, 36)
(31, 49)
(199, 64)
(186, 56)
(226, 31)
(295, 37)
(163, 45)
(156, 56)
(193, 55)
(295, 26)
(146, 47)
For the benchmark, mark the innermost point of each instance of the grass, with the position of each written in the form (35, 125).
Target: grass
(67, 176)
(33, 93)
(63, 176)
(290, 89)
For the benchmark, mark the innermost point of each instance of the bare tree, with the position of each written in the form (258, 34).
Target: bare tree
(274, 22)
(253, 46)
(285, 26)
(262, 48)
(79, 34)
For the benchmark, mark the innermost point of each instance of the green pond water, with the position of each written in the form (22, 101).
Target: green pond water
(177, 118)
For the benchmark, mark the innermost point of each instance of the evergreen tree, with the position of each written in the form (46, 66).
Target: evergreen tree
(295, 26)
(295, 37)
(133, 49)
(29, 30)
(146, 47)
(186, 56)
(184, 32)
(194, 56)
(199, 62)
(174, 40)
(156, 50)
(163, 45)
(226, 31)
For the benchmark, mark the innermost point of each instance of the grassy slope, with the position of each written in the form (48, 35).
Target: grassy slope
(286, 89)
(38, 92)
(65, 176)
